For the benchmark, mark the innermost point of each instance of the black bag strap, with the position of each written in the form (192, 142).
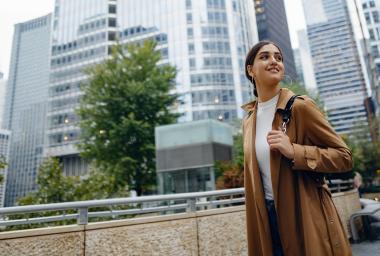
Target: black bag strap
(287, 112)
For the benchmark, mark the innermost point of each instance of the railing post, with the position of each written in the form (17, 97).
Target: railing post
(83, 216)
(191, 206)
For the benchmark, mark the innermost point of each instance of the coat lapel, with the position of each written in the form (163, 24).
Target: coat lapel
(276, 156)
(250, 139)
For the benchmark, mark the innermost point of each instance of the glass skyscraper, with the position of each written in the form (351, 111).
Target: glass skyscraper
(338, 68)
(4, 152)
(207, 41)
(26, 103)
(272, 25)
(371, 11)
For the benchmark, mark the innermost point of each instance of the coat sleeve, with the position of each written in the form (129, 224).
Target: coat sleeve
(327, 152)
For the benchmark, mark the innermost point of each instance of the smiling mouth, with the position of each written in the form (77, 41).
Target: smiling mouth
(274, 70)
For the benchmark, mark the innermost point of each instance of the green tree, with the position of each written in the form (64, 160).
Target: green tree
(3, 164)
(125, 98)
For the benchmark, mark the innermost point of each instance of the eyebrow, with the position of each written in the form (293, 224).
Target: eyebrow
(266, 52)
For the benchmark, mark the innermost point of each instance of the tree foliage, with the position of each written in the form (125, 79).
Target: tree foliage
(55, 187)
(125, 98)
(3, 164)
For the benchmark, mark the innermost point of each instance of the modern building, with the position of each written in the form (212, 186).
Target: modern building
(186, 154)
(25, 105)
(337, 62)
(4, 157)
(3, 84)
(306, 61)
(206, 40)
(298, 64)
(272, 25)
(371, 13)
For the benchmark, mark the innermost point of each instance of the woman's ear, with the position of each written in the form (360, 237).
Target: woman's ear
(250, 70)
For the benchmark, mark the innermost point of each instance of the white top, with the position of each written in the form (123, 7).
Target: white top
(264, 120)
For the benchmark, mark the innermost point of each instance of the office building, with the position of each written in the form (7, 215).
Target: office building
(371, 13)
(206, 40)
(272, 25)
(337, 62)
(25, 105)
(3, 84)
(4, 157)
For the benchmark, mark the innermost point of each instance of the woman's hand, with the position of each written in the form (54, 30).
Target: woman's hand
(278, 140)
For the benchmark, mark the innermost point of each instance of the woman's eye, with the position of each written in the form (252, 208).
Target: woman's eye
(264, 57)
(279, 58)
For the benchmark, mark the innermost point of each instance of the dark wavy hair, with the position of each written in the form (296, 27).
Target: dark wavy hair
(251, 58)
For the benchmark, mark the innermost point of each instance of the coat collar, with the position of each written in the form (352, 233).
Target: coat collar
(285, 95)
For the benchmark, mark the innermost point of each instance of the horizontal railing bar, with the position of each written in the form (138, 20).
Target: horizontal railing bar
(136, 211)
(116, 201)
(38, 220)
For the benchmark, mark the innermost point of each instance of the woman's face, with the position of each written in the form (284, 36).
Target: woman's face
(268, 66)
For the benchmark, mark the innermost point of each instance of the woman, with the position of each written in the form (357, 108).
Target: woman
(288, 205)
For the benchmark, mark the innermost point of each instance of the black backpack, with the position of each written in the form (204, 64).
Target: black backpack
(318, 177)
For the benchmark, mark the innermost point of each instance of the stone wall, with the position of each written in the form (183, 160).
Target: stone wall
(210, 232)
(346, 204)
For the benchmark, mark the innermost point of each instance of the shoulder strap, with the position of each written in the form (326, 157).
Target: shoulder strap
(287, 112)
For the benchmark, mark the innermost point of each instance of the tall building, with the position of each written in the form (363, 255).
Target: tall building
(3, 84)
(306, 62)
(298, 64)
(337, 62)
(26, 102)
(4, 156)
(272, 25)
(371, 11)
(207, 40)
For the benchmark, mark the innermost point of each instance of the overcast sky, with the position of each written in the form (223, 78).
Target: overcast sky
(16, 11)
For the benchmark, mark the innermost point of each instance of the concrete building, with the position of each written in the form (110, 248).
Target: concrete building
(25, 106)
(337, 62)
(206, 40)
(4, 156)
(272, 25)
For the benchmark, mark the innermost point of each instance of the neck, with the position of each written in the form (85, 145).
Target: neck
(267, 92)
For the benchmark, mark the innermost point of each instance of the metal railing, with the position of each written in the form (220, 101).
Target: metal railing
(83, 211)
(80, 210)
(340, 185)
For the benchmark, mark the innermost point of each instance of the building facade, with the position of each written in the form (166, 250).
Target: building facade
(337, 62)
(3, 85)
(25, 106)
(371, 12)
(5, 136)
(272, 25)
(206, 40)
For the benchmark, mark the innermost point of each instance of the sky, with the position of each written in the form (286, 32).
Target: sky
(17, 11)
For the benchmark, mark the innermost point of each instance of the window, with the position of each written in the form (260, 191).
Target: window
(190, 32)
(375, 51)
(367, 18)
(375, 16)
(192, 63)
(365, 6)
(371, 3)
(188, 4)
(371, 34)
(191, 48)
(112, 22)
(112, 9)
(189, 18)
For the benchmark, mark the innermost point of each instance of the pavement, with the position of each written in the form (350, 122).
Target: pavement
(366, 248)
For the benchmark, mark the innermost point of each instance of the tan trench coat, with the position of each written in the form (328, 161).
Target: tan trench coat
(307, 218)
